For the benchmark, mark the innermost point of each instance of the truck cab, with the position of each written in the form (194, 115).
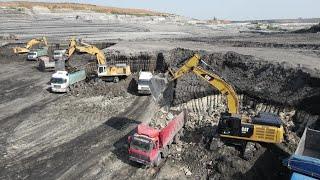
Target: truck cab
(148, 145)
(59, 81)
(59, 54)
(144, 145)
(144, 82)
(32, 55)
(35, 54)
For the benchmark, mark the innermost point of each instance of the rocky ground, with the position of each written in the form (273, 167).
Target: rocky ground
(82, 135)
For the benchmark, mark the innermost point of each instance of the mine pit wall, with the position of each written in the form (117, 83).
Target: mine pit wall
(141, 61)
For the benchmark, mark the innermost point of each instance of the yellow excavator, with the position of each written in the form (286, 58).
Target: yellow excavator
(264, 127)
(104, 71)
(32, 42)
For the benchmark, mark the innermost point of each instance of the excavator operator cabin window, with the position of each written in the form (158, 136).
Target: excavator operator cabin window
(101, 69)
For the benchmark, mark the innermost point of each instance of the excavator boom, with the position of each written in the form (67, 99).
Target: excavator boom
(32, 42)
(192, 65)
(222, 86)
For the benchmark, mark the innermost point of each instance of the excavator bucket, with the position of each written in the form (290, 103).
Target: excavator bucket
(162, 90)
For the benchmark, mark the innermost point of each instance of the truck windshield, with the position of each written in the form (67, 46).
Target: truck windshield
(32, 53)
(143, 82)
(57, 54)
(141, 144)
(58, 80)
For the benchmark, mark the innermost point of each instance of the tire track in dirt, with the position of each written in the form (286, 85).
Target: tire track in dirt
(72, 159)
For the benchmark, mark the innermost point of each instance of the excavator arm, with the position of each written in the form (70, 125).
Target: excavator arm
(192, 65)
(101, 58)
(32, 42)
(222, 86)
(72, 48)
(86, 48)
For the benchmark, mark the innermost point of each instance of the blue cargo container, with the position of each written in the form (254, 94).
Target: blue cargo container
(77, 76)
(305, 162)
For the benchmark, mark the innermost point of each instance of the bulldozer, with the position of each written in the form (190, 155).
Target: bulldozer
(232, 126)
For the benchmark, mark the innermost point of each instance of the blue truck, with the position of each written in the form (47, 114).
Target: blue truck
(305, 162)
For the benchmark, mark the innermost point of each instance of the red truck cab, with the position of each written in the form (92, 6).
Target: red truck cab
(148, 145)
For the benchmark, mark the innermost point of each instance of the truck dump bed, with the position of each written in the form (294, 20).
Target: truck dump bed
(77, 76)
(306, 159)
(309, 144)
(167, 133)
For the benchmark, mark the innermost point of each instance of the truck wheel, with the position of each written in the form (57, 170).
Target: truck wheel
(177, 138)
(157, 161)
(116, 79)
(165, 152)
(181, 132)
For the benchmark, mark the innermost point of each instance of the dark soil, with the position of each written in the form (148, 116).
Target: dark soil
(312, 29)
(259, 79)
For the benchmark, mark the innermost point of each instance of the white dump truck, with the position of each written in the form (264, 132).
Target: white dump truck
(37, 53)
(144, 82)
(48, 64)
(61, 81)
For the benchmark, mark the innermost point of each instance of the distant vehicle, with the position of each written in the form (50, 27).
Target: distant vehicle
(62, 80)
(305, 162)
(106, 72)
(144, 82)
(59, 54)
(148, 145)
(46, 64)
(36, 54)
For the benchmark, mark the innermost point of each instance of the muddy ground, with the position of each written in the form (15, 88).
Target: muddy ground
(82, 135)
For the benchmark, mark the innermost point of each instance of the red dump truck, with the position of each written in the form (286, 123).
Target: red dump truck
(148, 145)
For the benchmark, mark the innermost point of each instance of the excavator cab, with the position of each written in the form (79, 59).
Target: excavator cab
(113, 72)
(232, 125)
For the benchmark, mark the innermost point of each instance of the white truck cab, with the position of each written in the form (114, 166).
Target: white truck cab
(60, 81)
(32, 55)
(144, 82)
(59, 54)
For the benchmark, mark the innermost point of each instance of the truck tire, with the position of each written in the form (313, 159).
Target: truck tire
(177, 138)
(181, 132)
(165, 152)
(116, 79)
(157, 161)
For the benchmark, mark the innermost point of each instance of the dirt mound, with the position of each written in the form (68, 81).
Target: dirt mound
(7, 55)
(312, 29)
(96, 87)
